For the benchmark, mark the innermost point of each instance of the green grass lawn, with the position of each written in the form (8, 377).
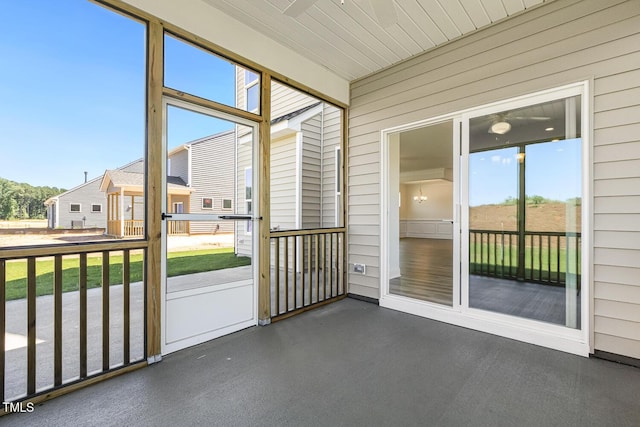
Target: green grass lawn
(178, 263)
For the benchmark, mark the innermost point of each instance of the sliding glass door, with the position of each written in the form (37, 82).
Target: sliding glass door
(524, 212)
(422, 240)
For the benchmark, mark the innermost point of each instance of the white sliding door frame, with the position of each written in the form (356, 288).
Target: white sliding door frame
(398, 302)
(549, 335)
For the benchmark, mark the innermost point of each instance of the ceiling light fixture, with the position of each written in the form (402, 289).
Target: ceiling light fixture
(420, 198)
(549, 129)
(500, 128)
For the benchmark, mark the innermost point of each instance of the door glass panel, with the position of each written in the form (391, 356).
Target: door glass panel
(524, 212)
(207, 160)
(421, 213)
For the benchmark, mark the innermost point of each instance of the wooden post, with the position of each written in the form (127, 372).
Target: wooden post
(31, 325)
(153, 207)
(264, 162)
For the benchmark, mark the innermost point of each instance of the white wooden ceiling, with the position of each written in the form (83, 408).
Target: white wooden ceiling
(347, 39)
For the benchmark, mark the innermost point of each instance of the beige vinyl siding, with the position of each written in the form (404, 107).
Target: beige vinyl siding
(283, 183)
(241, 90)
(311, 173)
(562, 42)
(285, 100)
(212, 169)
(332, 136)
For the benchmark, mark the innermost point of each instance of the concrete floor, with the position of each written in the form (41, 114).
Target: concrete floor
(353, 363)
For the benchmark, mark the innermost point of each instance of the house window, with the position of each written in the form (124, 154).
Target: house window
(252, 90)
(74, 207)
(207, 203)
(96, 208)
(226, 204)
(178, 207)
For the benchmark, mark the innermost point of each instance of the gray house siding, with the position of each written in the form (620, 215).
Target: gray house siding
(86, 195)
(179, 165)
(212, 171)
(561, 42)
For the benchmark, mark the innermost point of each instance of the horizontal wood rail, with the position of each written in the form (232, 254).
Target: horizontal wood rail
(70, 248)
(546, 256)
(91, 331)
(307, 269)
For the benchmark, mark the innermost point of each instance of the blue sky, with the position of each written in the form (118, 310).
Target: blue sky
(72, 93)
(552, 171)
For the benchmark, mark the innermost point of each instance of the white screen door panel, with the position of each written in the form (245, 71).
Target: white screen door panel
(208, 259)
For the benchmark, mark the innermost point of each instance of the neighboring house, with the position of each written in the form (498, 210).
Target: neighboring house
(212, 187)
(83, 206)
(305, 144)
(193, 186)
(125, 202)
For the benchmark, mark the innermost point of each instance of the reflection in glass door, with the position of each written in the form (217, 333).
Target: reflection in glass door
(208, 245)
(525, 212)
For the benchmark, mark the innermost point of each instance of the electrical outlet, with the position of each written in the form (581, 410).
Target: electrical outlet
(359, 268)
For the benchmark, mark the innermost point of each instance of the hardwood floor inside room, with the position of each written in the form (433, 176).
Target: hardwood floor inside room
(426, 268)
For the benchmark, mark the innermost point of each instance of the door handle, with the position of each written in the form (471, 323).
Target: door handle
(165, 216)
(239, 217)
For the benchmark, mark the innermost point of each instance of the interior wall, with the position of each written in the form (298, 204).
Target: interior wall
(561, 42)
(209, 23)
(439, 203)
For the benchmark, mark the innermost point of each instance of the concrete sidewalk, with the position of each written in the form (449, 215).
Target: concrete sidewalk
(16, 358)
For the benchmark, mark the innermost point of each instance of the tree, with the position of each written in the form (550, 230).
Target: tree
(24, 201)
(536, 200)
